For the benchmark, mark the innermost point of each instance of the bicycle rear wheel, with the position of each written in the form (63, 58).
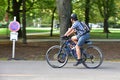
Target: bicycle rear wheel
(56, 56)
(94, 57)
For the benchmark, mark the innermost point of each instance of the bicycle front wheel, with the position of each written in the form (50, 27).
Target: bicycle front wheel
(94, 57)
(56, 56)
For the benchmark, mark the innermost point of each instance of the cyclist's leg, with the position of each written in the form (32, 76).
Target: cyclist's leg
(81, 41)
(78, 52)
(74, 39)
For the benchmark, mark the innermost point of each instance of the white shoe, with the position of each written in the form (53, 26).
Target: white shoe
(73, 48)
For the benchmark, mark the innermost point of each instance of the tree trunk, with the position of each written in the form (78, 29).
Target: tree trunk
(51, 32)
(24, 23)
(87, 10)
(16, 7)
(64, 11)
(106, 25)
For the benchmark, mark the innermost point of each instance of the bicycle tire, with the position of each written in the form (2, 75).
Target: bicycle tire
(94, 58)
(54, 56)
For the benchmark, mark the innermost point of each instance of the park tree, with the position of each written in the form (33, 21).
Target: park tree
(15, 11)
(3, 7)
(52, 19)
(43, 9)
(82, 8)
(117, 15)
(87, 11)
(107, 9)
(64, 8)
(24, 22)
(15, 7)
(49, 8)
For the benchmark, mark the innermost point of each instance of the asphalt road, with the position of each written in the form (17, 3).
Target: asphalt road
(40, 70)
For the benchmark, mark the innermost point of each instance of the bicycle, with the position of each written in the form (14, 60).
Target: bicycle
(57, 56)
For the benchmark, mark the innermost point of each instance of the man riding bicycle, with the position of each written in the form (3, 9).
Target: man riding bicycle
(80, 37)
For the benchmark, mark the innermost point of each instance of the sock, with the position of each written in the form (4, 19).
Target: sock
(79, 60)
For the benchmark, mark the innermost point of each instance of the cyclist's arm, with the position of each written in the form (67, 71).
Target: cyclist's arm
(69, 32)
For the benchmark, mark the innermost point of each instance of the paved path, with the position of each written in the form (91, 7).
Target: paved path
(39, 70)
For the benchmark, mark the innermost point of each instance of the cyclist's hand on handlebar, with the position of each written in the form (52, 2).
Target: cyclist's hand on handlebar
(65, 37)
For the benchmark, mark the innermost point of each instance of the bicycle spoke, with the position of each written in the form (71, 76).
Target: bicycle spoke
(56, 57)
(94, 57)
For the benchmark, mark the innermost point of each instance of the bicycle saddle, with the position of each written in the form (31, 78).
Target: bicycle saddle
(88, 42)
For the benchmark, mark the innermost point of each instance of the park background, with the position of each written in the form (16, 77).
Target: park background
(42, 20)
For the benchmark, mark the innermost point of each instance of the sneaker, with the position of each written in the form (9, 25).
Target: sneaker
(78, 62)
(73, 48)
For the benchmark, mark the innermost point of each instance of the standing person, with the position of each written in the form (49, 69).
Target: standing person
(80, 37)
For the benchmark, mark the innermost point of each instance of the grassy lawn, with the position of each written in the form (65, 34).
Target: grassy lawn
(98, 34)
(95, 33)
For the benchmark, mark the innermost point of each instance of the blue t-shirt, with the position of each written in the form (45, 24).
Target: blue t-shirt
(78, 27)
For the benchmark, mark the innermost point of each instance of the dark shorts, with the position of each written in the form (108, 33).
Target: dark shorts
(82, 39)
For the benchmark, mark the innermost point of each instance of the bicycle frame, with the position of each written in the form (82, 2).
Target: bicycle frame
(71, 52)
(68, 49)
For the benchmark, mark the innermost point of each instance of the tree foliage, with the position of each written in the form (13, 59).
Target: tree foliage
(95, 10)
(79, 8)
(107, 9)
(3, 6)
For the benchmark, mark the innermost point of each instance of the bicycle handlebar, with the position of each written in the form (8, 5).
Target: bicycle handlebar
(65, 37)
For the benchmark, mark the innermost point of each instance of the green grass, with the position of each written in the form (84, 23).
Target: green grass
(98, 34)
(101, 35)
(3, 31)
(95, 33)
(37, 30)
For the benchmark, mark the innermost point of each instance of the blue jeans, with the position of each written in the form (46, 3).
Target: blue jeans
(82, 39)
